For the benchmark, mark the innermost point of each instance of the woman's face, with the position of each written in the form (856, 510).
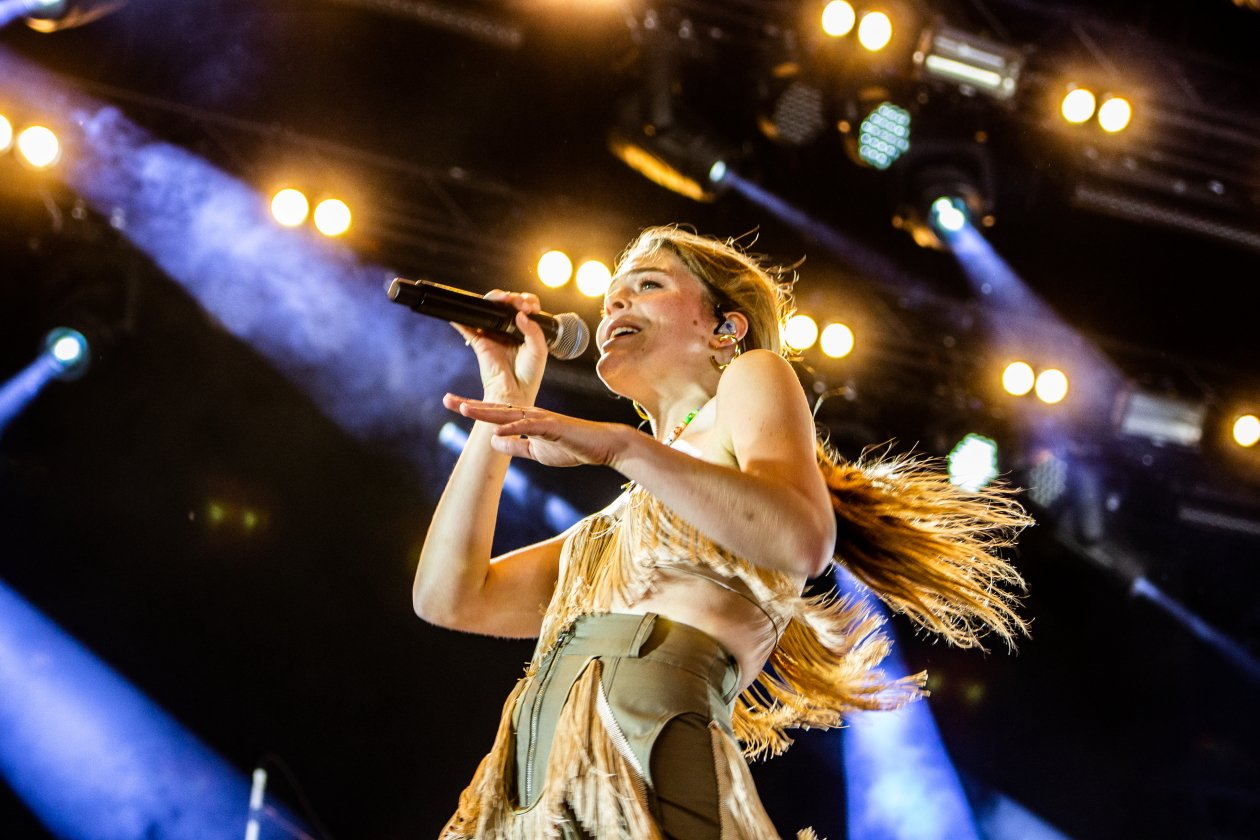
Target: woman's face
(658, 319)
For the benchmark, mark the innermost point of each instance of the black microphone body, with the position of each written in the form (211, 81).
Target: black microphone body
(567, 335)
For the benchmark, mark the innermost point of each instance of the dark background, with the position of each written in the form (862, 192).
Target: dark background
(295, 638)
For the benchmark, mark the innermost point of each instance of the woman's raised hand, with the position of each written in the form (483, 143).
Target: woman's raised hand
(556, 440)
(510, 372)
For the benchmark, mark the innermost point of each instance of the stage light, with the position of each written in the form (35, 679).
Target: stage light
(1162, 419)
(69, 351)
(838, 18)
(555, 269)
(1114, 114)
(973, 462)
(53, 15)
(1051, 386)
(971, 62)
(1247, 430)
(38, 147)
(593, 278)
(800, 332)
(679, 157)
(290, 207)
(1018, 378)
(884, 135)
(837, 341)
(948, 214)
(332, 217)
(1047, 480)
(6, 134)
(875, 31)
(1078, 106)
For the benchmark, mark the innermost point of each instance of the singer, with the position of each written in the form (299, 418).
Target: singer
(657, 616)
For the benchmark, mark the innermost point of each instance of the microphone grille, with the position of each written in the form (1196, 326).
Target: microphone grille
(572, 336)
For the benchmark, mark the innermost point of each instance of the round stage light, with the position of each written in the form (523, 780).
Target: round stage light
(1052, 386)
(69, 351)
(837, 340)
(554, 269)
(800, 332)
(718, 171)
(1078, 106)
(948, 214)
(875, 31)
(1018, 378)
(884, 135)
(973, 462)
(38, 147)
(838, 18)
(1114, 114)
(6, 134)
(593, 278)
(332, 217)
(1247, 430)
(289, 207)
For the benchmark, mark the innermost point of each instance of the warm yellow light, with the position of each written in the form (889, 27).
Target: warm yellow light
(289, 207)
(593, 278)
(6, 134)
(554, 269)
(838, 18)
(836, 341)
(332, 217)
(1052, 386)
(1018, 378)
(800, 332)
(38, 147)
(875, 31)
(1078, 106)
(1114, 114)
(1247, 430)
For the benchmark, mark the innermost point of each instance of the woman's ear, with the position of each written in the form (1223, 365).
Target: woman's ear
(733, 324)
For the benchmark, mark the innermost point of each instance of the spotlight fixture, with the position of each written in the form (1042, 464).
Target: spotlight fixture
(1078, 105)
(332, 217)
(1162, 419)
(875, 31)
(973, 462)
(290, 207)
(554, 269)
(38, 147)
(68, 349)
(1246, 430)
(1114, 114)
(946, 195)
(972, 63)
(884, 135)
(6, 134)
(593, 278)
(676, 156)
(54, 15)
(838, 18)
(800, 332)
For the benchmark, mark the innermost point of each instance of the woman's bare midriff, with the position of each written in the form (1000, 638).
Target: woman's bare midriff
(736, 623)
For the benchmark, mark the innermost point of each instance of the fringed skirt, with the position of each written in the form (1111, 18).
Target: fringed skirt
(623, 731)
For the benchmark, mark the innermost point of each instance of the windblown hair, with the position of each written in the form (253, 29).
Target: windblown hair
(925, 547)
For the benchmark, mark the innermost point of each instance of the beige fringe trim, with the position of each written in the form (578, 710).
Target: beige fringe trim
(586, 779)
(742, 814)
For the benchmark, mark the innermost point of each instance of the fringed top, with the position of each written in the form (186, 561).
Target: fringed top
(823, 665)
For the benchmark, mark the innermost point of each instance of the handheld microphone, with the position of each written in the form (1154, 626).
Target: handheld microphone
(567, 334)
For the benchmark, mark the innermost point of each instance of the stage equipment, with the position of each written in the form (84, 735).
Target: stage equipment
(973, 462)
(1051, 386)
(1114, 114)
(332, 217)
(593, 278)
(38, 147)
(290, 207)
(884, 135)
(54, 15)
(1078, 105)
(949, 191)
(6, 134)
(1246, 431)
(677, 156)
(875, 31)
(1018, 379)
(969, 62)
(838, 18)
(555, 269)
(567, 334)
(800, 332)
(1161, 419)
(69, 350)
(837, 341)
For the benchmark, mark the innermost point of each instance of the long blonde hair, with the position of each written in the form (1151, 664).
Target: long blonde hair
(924, 546)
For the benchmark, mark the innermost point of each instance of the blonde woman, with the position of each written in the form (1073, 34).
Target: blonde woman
(656, 617)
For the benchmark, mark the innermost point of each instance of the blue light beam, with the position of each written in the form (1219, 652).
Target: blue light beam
(18, 392)
(92, 757)
(303, 302)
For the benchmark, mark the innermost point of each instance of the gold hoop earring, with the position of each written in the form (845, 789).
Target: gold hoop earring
(727, 339)
(641, 411)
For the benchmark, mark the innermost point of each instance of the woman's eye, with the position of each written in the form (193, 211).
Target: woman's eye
(648, 284)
